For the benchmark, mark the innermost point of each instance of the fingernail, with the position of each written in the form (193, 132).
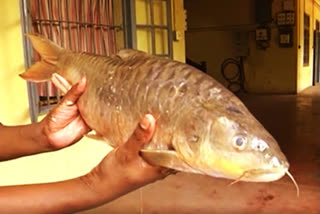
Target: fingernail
(145, 123)
(82, 83)
(58, 77)
(54, 75)
(53, 119)
(83, 79)
(69, 103)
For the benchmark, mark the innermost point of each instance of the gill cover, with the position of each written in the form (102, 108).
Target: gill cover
(41, 71)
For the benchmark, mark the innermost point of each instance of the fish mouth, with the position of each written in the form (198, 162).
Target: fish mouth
(262, 175)
(266, 175)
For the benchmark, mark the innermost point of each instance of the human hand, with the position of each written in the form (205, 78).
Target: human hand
(120, 172)
(64, 125)
(123, 169)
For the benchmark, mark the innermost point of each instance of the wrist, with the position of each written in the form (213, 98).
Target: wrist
(96, 186)
(40, 137)
(106, 186)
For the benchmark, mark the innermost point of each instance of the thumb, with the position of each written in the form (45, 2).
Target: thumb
(142, 134)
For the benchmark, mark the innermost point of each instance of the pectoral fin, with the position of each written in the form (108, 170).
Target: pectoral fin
(95, 136)
(165, 158)
(39, 72)
(49, 52)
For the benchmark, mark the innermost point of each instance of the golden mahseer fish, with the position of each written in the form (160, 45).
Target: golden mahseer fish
(201, 126)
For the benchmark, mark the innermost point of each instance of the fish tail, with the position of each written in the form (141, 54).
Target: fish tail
(42, 71)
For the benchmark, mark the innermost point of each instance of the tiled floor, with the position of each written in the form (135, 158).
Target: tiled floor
(295, 122)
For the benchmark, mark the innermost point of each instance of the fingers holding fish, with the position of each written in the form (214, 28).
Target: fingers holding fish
(68, 107)
(124, 167)
(65, 120)
(143, 134)
(73, 93)
(129, 154)
(61, 83)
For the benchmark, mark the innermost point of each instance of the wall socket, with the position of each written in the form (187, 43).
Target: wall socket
(262, 34)
(177, 35)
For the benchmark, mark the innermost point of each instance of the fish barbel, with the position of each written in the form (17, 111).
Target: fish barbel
(201, 126)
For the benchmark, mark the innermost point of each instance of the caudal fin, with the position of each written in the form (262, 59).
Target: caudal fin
(41, 71)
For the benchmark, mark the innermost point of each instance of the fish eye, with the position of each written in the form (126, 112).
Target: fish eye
(239, 142)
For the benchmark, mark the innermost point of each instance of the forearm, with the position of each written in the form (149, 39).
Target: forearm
(17, 141)
(61, 197)
(121, 171)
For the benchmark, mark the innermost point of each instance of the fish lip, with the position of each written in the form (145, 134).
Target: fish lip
(264, 175)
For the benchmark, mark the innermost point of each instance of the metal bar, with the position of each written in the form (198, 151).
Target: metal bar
(105, 26)
(81, 23)
(114, 34)
(60, 24)
(87, 32)
(45, 85)
(316, 57)
(40, 23)
(162, 55)
(85, 26)
(50, 17)
(103, 48)
(78, 25)
(69, 26)
(106, 38)
(93, 29)
(31, 87)
(152, 26)
(169, 23)
(61, 38)
(129, 12)
(105, 43)
(49, 14)
(153, 34)
(81, 36)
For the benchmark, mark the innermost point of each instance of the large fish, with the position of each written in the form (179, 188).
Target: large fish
(201, 126)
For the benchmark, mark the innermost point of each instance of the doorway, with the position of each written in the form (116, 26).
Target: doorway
(316, 67)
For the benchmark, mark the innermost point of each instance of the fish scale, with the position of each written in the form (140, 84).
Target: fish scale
(201, 126)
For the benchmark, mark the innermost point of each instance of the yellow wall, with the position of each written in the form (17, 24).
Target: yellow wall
(211, 26)
(13, 94)
(305, 73)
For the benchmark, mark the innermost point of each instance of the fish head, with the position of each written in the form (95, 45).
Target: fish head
(231, 145)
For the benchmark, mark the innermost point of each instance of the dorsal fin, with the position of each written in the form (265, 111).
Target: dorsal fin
(131, 53)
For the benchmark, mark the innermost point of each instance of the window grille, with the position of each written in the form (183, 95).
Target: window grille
(154, 24)
(94, 26)
(306, 43)
(78, 25)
